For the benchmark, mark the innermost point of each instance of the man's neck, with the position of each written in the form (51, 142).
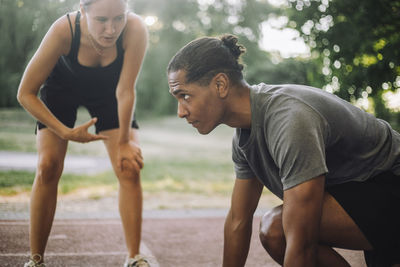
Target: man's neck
(238, 113)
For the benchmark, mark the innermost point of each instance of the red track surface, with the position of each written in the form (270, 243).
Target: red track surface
(173, 242)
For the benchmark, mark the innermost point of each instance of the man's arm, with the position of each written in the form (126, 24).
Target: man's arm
(238, 224)
(302, 211)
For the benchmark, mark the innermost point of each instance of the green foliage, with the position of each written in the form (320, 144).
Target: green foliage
(358, 44)
(202, 177)
(180, 21)
(13, 178)
(17, 130)
(159, 175)
(14, 182)
(176, 158)
(354, 44)
(23, 23)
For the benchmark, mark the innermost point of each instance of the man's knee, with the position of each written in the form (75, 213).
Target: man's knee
(271, 230)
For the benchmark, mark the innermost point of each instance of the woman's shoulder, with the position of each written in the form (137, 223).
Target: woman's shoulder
(135, 23)
(62, 29)
(135, 29)
(65, 24)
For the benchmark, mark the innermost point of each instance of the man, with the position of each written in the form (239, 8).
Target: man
(335, 167)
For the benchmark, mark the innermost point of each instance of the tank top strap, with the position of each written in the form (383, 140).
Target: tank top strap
(76, 38)
(70, 25)
(120, 48)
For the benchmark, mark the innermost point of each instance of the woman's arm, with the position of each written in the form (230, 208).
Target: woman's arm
(53, 45)
(135, 44)
(56, 43)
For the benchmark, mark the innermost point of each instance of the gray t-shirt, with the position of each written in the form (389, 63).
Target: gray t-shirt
(300, 132)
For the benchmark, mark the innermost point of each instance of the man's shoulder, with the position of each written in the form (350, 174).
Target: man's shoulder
(263, 93)
(286, 98)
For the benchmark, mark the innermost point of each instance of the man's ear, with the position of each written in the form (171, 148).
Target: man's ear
(221, 83)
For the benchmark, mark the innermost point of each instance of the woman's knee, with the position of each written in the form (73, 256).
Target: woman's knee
(129, 176)
(49, 169)
(271, 229)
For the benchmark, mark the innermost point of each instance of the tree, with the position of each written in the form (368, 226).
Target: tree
(357, 43)
(179, 21)
(23, 23)
(172, 24)
(176, 22)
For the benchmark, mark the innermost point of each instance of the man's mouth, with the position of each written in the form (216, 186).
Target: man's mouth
(193, 122)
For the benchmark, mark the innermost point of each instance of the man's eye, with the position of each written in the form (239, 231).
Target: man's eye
(102, 19)
(186, 97)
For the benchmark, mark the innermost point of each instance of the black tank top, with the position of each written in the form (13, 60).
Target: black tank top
(89, 84)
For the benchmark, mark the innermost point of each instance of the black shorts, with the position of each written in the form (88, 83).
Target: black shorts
(374, 205)
(64, 106)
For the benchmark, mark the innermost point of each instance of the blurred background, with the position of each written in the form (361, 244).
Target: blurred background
(347, 47)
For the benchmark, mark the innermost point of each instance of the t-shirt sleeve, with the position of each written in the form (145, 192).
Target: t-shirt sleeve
(242, 168)
(296, 137)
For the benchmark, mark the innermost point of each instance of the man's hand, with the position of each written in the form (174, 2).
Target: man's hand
(129, 155)
(81, 134)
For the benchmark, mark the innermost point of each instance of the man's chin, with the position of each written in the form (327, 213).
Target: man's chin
(206, 131)
(203, 132)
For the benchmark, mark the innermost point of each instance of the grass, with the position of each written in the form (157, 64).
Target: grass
(14, 182)
(199, 177)
(177, 158)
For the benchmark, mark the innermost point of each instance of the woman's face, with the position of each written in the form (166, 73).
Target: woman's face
(105, 20)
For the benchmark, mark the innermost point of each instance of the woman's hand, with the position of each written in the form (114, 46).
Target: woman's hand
(81, 134)
(129, 155)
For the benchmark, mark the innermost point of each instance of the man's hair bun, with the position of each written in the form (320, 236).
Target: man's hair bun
(231, 42)
(203, 58)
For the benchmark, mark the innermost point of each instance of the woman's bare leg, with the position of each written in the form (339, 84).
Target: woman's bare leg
(51, 154)
(130, 193)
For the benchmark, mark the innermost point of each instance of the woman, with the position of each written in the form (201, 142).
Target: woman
(88, 58)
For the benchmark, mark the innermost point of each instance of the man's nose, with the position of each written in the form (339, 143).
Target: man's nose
(182, 111)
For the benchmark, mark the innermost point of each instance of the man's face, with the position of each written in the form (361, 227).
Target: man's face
(199, 105)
